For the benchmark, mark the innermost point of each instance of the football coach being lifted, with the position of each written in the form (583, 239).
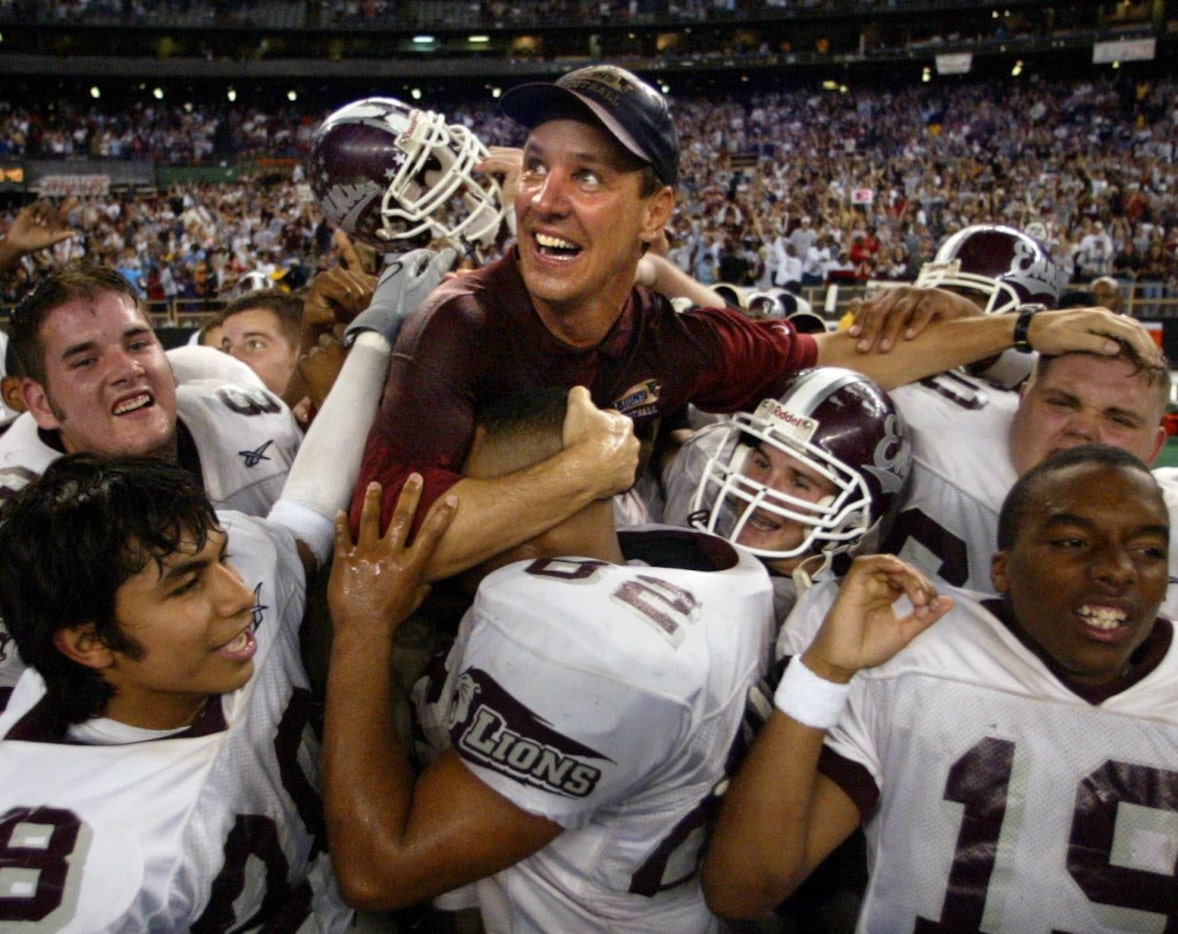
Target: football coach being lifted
(596, 189)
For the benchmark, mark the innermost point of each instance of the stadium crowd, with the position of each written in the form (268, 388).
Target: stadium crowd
(883, 176)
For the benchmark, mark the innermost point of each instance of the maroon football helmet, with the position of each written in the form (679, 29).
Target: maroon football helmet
(386, 173)
(835, 421)
(1003, 266)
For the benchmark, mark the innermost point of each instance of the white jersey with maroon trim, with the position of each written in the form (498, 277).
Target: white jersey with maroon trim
(1167, 478)
(1008, 802)
(245, 437)
(609, 699)
(216, 828)
(682, 474)
(961, 472)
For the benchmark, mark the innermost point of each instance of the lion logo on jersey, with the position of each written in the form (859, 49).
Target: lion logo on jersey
(464, 694)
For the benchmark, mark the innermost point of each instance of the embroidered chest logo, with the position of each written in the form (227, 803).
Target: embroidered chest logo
(640, 400)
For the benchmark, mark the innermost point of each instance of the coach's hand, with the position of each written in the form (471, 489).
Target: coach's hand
(1094, 330)
(402, 286)
(903, 312)
(607, 437)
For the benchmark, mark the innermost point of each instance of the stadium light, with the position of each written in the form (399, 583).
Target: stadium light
(232, 95)
(158, 93)
(292, 96)
(95, 93)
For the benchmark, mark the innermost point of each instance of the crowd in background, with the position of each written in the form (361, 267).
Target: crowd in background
(853, 186)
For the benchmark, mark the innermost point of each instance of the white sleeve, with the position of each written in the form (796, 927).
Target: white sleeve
(555, 737)
(323, 475)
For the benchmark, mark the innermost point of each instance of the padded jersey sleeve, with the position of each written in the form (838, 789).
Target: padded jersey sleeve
(558, 719)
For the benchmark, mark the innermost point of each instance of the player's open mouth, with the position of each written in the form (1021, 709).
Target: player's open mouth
(133, 404)
(556, 248)
(241, 647)
(1102, 620)
(761, 522)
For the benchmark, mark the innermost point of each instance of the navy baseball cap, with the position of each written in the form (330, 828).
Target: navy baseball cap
(635, 114)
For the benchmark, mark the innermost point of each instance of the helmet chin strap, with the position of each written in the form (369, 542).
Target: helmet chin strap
(804, 579)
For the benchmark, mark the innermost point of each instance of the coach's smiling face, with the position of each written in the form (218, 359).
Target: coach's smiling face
(583, 221)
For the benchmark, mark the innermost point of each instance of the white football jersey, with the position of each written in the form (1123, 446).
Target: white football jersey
(216, 828)
(961, 473)
(1008, 802)
(682, 474)
(245, 440)
(609, 699)
(1167, 478)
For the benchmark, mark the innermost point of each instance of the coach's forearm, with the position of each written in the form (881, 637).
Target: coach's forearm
(502, 512)
(942, 346)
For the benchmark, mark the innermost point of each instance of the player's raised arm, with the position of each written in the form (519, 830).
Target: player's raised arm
(395, 841)
(324, 473)
(780, 817)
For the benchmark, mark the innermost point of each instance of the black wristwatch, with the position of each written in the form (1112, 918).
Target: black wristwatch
(1023, 325)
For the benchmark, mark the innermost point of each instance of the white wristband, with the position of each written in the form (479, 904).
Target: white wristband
(809, 699)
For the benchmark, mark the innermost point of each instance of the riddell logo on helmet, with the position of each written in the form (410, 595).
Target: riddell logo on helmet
(409, 134)
(793, 425)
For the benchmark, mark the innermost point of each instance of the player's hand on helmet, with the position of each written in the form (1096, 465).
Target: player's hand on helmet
(378, 580)
(333, 301)
(606, 438)
(507, 162)
(1095, 330)
(40, 225)
(903, 312)
(862, 628)
(317, 371)
(402, 286)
